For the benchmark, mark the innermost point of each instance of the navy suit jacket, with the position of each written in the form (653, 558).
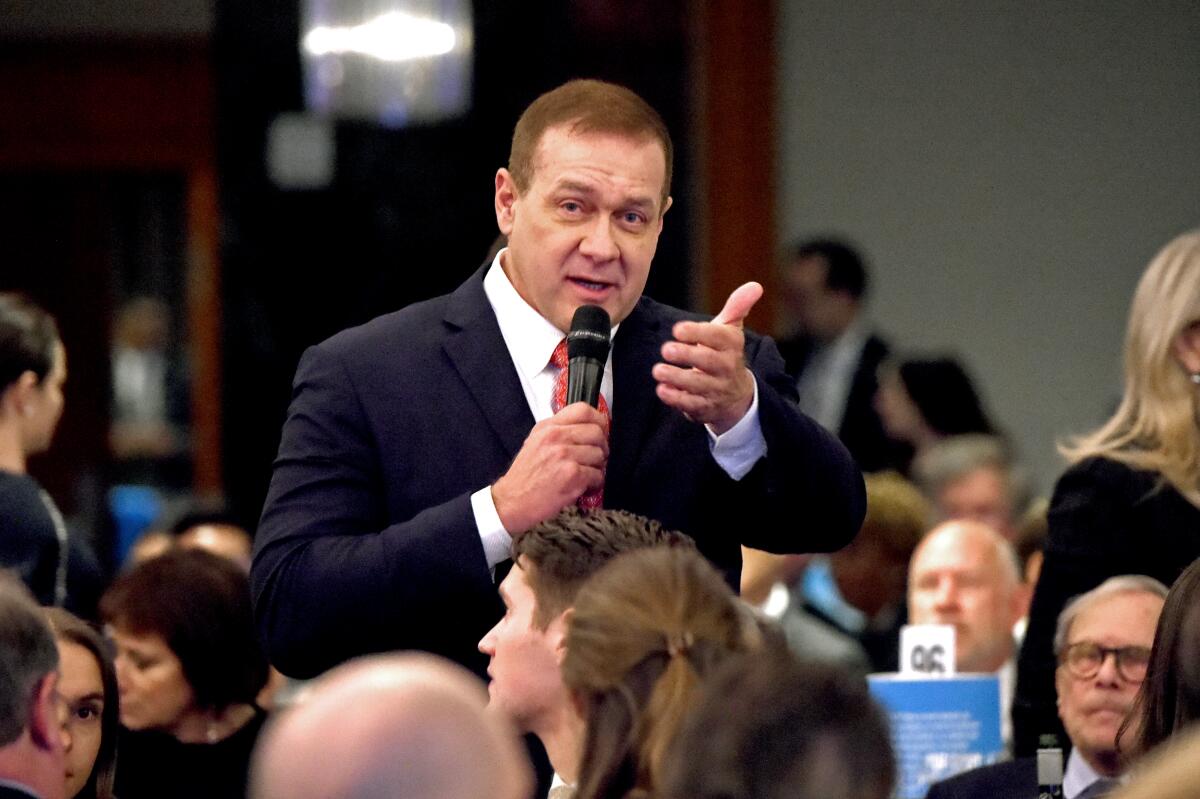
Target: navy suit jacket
(1014, 779)
(368, 542)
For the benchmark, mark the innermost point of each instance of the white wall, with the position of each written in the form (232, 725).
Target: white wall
(1009, 168)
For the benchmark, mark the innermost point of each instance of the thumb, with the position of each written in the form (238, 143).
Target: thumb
(738, 306)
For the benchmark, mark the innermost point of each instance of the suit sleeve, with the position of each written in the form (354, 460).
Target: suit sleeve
(331, 578)
(1088, 542)
(807, 494)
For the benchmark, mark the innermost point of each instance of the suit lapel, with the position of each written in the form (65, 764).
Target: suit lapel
(476, 348)
(637, 411)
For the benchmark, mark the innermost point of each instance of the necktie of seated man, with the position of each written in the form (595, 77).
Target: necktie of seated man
(595, 498)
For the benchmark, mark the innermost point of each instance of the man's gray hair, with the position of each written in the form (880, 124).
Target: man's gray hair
(1122, 584)
(27, 654)
(957, 456)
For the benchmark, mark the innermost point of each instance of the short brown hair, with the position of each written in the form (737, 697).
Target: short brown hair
(566, 549)
(587, 106)
(199, 604)
(897, 513)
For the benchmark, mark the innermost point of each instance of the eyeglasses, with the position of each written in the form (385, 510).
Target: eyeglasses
(1084, 660)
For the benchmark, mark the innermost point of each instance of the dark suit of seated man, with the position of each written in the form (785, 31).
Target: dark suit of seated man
(418, 445)
(1102, 643)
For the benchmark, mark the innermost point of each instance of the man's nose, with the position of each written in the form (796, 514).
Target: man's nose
(65, 735)
(1108, 673)
(599, 244)
(945, 595)
(485, 643)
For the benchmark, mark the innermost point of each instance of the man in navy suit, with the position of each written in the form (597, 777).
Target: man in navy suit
(418, 445)
(32, 734)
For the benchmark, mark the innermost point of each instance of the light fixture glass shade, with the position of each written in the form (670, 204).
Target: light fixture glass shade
(396, 62)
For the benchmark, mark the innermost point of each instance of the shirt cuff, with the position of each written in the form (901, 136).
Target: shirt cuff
(497, 543)
(740, 447)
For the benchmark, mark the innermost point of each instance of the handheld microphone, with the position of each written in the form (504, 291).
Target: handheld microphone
(587, 350)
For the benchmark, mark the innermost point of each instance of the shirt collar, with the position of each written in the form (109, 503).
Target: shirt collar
(530, 337)
(1079, 775)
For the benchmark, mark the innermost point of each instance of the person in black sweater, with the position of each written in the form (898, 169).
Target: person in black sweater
(1130, 501)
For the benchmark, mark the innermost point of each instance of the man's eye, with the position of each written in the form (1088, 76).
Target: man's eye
(572, 207)
(633, 218)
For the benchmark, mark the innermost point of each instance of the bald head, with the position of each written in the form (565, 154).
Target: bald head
(965, 574)
(391, 727)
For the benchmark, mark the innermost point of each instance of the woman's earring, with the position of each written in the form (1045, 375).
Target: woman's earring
(1196, 378)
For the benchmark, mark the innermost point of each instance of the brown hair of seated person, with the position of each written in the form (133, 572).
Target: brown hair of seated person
(1169, 698)
(770, 726)
(71, 629)
(643, 633)
(198, 603)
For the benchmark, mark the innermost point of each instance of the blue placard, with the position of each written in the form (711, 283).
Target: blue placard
(940, 726)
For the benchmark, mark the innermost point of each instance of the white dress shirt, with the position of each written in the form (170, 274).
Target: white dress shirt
(531, 339)
(824, 386)
(1079, 775)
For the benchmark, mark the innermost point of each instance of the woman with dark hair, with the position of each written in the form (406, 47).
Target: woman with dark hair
(33, 368)
(1169, 698)
(922, 401)
(1130, 500)
(189, 666)
(644, 631)
(88, 687)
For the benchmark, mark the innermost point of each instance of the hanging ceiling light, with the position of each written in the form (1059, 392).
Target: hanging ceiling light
(397, 62)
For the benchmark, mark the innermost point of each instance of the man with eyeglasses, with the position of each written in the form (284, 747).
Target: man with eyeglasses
(1102, 643)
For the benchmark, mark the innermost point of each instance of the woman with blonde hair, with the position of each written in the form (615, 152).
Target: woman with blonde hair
(1129, 503)
(644, 631)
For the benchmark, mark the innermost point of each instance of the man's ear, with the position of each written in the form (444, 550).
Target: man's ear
(666, 207)
(506, 200)
(45, 717)
(558, 632)
(16, 398)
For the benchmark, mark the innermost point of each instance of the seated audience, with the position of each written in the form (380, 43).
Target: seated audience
(973, 476)
(87, 686)
(1102, 644)
(401, 726)
(32, 736)
(526, 647)
(189, 666)
(965, 574)
(1170, 696)
(769, 726)
(1130, 500)
(849, 606)
(924, 401)
(644, 631)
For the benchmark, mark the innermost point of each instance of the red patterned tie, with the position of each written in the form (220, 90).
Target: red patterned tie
(595, 498)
